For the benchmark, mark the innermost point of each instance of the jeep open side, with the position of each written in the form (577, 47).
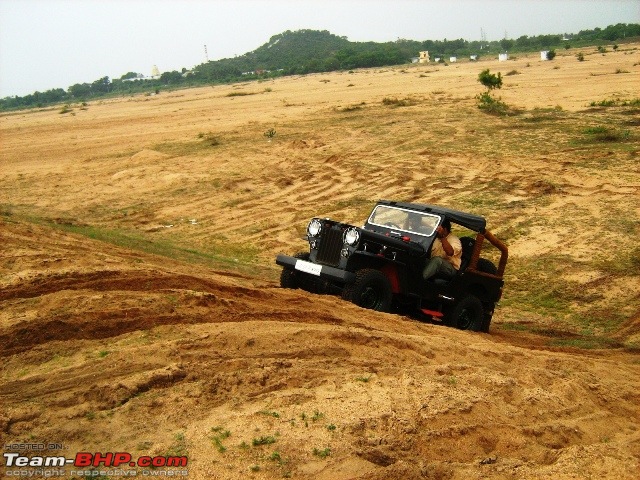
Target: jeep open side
(379, 265)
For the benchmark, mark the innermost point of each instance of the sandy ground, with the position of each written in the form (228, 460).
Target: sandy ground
(107, 348)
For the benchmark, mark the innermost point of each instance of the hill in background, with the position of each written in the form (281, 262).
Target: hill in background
(313, 51)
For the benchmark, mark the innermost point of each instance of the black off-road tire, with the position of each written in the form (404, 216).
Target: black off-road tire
(466, 314)
(371, 290)
(486, 321)
(291, 278)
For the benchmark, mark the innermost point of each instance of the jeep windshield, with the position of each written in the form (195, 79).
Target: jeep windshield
(403, 220)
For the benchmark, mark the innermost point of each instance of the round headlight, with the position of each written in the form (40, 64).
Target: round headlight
(351, 236)
(314, 227)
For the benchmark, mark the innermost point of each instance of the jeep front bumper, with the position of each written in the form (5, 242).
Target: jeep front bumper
(321, 271)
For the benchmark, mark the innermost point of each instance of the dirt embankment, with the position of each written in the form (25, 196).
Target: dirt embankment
(109, 350)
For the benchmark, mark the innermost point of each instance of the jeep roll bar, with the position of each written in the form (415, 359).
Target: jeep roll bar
(477, 247)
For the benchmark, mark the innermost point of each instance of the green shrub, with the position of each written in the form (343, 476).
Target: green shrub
(263, 441)
(491, 105)
(490, 80)
(324, 453)
(606, 134)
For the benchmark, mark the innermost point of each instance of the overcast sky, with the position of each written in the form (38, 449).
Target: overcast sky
(48, 44)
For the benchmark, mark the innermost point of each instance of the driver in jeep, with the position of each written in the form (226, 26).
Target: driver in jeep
(446, 253)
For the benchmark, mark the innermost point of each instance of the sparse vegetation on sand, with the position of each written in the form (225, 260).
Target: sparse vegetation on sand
(139, 308)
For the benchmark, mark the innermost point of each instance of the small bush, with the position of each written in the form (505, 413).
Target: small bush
(490, 80)
(395, 102)
(275, 457)
(580, 57)
(614, 103)
(322, 453)
(269, 413)
(240, 94)
(606, 134)
(263, 441)
(603, 103)
(492, 105)
(551, 54)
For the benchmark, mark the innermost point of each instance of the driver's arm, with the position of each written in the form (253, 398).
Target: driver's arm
(446, 246)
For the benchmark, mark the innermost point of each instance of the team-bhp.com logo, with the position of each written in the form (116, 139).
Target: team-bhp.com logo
(86, 459)
(93, 460)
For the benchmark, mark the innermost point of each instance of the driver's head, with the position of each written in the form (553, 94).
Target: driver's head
(446, 224)
(414, 221)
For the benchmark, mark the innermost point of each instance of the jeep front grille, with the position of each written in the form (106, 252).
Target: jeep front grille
(330, 246)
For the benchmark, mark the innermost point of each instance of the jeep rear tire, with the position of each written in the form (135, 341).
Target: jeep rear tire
(371, 290)
(486, 266)
(467, 314)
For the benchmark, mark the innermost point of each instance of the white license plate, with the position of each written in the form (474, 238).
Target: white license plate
(308, 267)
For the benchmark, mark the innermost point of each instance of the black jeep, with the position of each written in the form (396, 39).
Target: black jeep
(379, 266)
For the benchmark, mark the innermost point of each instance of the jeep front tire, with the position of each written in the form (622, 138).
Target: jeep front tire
(290, 278)
(371, 290)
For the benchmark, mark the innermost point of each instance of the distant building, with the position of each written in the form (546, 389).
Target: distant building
(503, 57)
(155, 73)
(453, 59)
(424, 57)
(543, 55)
(473, 58)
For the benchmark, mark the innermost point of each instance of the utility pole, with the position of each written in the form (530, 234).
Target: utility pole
(206, 55)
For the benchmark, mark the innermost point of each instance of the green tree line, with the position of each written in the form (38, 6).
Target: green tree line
(312, 51)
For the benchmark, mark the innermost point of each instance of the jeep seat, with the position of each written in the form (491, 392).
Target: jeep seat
(467, 250)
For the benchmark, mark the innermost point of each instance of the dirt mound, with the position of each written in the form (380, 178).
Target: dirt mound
(197, 352)
(141, 354)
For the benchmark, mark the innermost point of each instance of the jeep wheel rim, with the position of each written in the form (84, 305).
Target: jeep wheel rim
(370, 298)
(465, 320)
